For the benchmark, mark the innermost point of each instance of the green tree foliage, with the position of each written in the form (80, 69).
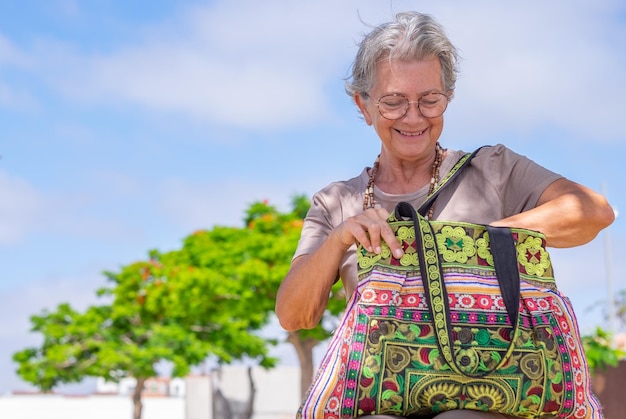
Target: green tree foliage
(205, 299)
(600, 352)
(70, 341)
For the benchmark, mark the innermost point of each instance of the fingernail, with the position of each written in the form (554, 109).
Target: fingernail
(398, 253)
(378, 250)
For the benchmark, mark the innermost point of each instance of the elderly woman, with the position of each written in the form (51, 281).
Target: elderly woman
(402, 80)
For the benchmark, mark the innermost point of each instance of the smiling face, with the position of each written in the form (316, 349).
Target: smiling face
(412, 137)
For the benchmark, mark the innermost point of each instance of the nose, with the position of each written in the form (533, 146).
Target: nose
(413, 112)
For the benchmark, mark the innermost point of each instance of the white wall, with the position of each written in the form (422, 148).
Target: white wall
(277, 390)
(277, 397)
(92, 407)
(198, 398)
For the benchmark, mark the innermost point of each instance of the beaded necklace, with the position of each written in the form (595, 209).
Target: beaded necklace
(368, 198)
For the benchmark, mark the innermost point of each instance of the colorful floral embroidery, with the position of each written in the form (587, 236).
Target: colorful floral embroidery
(532, 256)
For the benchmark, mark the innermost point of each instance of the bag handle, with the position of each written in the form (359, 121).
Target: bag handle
(501, 238)
(505, 263)
(453, 173)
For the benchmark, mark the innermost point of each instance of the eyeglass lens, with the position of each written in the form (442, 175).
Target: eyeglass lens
(395, 106)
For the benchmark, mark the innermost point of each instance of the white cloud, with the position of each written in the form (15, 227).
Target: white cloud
(550, 65)
(74, 133)
(13, 98)
(266, 65)
(204, 204)
(69, 8)
(21, 207)
(32, 298)
(26, 210)
(11, 95)
(10, 54)
(261, 65)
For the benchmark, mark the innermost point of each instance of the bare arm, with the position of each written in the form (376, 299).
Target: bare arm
(303, 294)
(567, 213)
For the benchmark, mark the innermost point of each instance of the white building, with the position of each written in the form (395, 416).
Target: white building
(155, 387)
(212, 396)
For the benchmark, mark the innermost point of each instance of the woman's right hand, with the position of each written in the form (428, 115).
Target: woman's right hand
(303, 295)
(370, 229)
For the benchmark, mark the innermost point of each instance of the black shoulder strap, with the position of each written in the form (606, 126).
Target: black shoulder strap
(458, 167)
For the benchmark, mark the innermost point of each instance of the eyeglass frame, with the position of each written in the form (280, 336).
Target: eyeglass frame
(409, 102)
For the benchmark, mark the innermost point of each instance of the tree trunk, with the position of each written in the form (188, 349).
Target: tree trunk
(137, 404)
(250, 407)
(223, 409)
(304, 349)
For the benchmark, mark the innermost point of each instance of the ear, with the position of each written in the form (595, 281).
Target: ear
(362, 103)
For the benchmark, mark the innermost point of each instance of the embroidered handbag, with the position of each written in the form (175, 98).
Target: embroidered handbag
(469, 318)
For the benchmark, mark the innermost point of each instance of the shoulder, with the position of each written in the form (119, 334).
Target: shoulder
(481, 154)
(494, 151)
(498, 157)
(341, 197)
(512, 173)
(344, 188)
(498, 165)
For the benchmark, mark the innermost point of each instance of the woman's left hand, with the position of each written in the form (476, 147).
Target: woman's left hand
(567, 213)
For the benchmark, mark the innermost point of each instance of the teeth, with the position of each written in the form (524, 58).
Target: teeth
(411, 134)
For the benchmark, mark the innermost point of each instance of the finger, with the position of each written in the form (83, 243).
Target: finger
(392, 241)
(354, 230)
(376, 224)
(361, 236)
(387, 234)
(374, 229)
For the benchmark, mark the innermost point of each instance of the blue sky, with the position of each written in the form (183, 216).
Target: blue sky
(127, 127)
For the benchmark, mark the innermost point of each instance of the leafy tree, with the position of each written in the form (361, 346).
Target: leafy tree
(163, 309)
(70, 339)
(157, 313)
(180, 306)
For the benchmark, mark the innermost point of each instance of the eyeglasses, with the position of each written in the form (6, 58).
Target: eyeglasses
(396, 105)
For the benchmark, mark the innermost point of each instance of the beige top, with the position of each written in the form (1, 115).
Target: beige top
(496, 184)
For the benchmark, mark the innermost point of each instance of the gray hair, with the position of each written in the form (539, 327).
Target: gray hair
(411, 36)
